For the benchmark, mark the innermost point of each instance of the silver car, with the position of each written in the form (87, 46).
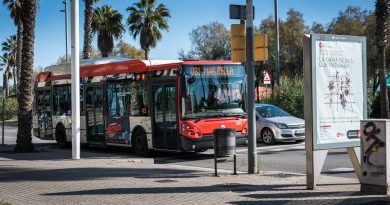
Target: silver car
(276, 125)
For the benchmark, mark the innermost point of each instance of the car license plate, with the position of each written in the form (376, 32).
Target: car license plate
(299, 131)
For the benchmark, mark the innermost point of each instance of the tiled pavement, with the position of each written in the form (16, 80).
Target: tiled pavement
(48, 176)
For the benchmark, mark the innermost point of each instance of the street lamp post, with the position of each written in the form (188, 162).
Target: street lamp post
(277, 42)
(75, 64)
(65, 10)
(2, 129)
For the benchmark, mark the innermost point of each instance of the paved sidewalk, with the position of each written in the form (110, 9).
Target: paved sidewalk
(48, 176)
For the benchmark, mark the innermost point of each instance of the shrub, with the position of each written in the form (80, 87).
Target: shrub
(11, 108)
(288, 95)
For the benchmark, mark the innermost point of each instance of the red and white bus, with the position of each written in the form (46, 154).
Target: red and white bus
(144, 104)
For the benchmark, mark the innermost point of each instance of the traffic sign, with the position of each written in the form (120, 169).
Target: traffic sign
(267, 78)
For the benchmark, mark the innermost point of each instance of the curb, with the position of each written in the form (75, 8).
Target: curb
(13, 123)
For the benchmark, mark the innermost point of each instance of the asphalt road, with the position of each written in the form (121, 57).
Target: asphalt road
(10, 133)
(286, 157)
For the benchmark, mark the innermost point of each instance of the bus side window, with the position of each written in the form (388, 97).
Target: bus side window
(61, 100)
(117, 98)
(139, 100)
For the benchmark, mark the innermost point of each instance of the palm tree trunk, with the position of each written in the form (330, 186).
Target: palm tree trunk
(25, 97)
(385, 113)
(19, 54)
(146, 54)
(5, 86)
(15, 79)
(87, 49)
(381, 17)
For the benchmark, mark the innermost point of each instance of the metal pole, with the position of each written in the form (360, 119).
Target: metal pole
(215, 155)
(75, 64)
(66, 29)
(2, 129)
(277, 42)
(252, 152)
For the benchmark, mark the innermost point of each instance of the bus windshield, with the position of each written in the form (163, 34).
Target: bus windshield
(213, 91)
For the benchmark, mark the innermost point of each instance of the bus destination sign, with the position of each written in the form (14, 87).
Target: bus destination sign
(219, 70)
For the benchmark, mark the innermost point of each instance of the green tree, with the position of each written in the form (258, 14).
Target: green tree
(88, 16)
(15, 8)
(9, 47)
(210, 42)
(349, 22)
(382, 16)
(107, 23)
(291, 41)
(291, 32)
(25, 96)
(317, 27)
(145, 20)
(125, 50)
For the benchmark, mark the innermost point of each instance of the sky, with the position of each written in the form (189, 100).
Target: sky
(185, 16)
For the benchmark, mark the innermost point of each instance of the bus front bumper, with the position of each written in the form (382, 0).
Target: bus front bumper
(207, 142)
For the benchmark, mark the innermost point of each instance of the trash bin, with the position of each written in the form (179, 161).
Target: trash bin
(375, 156)
(225, 142)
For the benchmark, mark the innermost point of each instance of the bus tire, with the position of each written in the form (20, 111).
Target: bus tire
(61, 137)
(140, 144)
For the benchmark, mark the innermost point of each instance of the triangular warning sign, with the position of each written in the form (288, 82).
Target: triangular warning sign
(266, 76)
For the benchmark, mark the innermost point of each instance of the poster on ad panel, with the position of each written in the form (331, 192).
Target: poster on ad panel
(339, 86)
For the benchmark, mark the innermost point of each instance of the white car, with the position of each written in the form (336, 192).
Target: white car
(276, 125)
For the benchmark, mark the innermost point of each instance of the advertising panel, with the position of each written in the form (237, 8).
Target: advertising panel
(339, 85)
(117, 130)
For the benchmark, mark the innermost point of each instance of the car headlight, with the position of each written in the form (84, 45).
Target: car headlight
(281, 125)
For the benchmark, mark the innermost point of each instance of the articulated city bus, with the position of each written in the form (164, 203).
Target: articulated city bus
(144, 104)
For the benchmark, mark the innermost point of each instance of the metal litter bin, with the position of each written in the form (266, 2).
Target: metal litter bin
(225, 142)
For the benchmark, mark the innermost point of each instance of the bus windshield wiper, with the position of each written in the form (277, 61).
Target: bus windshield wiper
(235, 114)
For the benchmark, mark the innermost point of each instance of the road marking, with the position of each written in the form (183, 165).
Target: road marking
(277, 148)
(341, 169)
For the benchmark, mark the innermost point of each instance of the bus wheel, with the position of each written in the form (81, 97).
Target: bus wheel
(140, 144)
(61, 137)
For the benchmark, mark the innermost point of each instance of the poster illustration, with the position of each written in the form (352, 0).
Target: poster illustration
(117, 130)
(340, 90)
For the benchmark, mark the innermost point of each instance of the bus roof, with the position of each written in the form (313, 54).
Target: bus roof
(106, 66)
(114, 66)
(210, 62)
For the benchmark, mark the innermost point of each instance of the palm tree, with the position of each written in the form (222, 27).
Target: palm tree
(146, 20)
(7, 72)
(25, 96)
(15, 8)
(88, 15)
(107, 24)
(9, 48)
(382, 14)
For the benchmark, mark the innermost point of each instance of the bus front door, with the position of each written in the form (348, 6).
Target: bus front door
(164, 116)
(43, 100)
(94, 114)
